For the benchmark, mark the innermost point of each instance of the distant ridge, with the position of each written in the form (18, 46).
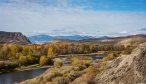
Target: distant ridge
(123, 40)
(102, 40)
(47, 38)
(13, 38)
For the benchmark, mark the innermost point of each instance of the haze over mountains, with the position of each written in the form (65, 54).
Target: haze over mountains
(122, 40)
(45, 38)
(19, 38)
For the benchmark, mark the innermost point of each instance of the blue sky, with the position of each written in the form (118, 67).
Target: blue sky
(71, 17)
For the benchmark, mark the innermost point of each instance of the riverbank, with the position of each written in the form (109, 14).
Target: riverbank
(19, 76)
(88, 54)
(31, 67)
(37, 66)
(25, 68)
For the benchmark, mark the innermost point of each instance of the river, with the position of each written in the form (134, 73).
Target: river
(15, 77)
(93, 58)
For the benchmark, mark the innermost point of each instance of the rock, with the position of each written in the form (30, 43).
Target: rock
(13, 38)
(131, 69)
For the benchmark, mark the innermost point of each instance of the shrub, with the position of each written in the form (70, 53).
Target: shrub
(40, 80)
(49, 83)
(62, 80)
(53, 75)
(91, 70)
(79, 67)
(58, 64)
(111, 56)
(74, 74)
(127, 51)
(78, 61)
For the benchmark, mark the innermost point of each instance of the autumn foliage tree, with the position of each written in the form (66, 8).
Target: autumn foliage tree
(23, 60)
(51, 52)
(43, 60)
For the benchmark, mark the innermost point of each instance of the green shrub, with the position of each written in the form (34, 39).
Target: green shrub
(58, 64)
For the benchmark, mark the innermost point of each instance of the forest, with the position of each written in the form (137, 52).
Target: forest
(12, 55)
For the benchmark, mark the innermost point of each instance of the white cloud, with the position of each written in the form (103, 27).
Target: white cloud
(32, 17)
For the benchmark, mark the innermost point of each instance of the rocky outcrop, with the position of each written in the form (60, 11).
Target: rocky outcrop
(13, 38)
(127, 69)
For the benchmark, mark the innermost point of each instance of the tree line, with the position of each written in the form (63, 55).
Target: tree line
(43, 54)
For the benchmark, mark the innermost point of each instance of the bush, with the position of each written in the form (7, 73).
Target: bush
(127, 51)
(53, 75)
(74, 74)
(62, 80)
(91, 70)
(78, 61)
(111, 56)
(79, 67)
(58, 64)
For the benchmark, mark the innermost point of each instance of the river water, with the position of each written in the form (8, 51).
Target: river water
(15, 77)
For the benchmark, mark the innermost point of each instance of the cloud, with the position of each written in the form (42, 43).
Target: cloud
(59, 17)
(142, 29)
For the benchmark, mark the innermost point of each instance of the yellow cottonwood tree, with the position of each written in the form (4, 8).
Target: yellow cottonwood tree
(51, 52)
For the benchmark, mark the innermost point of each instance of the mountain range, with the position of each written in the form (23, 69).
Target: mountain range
(46, 38)
(19, 38)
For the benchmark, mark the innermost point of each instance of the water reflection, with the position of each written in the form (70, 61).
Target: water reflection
(15, 77)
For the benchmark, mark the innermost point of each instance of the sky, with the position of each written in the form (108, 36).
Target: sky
(74, 17)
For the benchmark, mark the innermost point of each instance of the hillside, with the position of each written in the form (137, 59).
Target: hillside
(123, 40)
(126, 69)
(133, 40)
(13, 38)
